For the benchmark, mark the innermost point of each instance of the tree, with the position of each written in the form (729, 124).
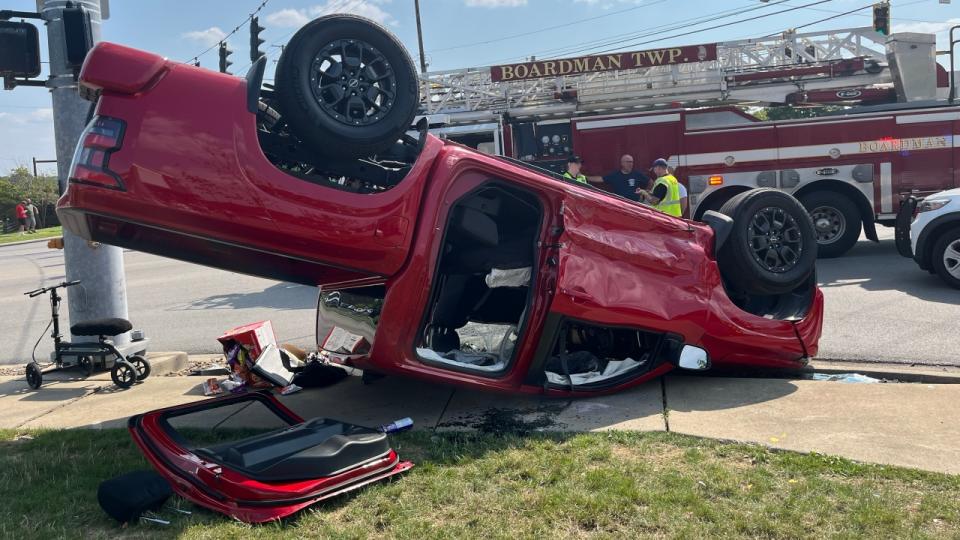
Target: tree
(19, 184)
(787, 112)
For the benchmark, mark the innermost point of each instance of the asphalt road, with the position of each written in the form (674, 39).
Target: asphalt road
(879, 306)
(882, 307)
(180, 306)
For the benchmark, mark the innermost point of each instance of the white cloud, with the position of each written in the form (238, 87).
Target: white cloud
(207, 37)
(496, 3)
(41, 115)
(288, 18)
(941, 29)
(607, 4)
(926, 27)
(295, 18)
(29, 135)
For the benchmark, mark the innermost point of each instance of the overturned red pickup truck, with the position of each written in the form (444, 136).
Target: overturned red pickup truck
(433, 260)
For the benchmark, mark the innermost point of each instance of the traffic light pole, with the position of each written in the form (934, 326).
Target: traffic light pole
(102, 292)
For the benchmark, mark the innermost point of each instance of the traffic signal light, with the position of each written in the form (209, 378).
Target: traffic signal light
(255, 40)
(881, 18)
(224, 53)
(77, 34)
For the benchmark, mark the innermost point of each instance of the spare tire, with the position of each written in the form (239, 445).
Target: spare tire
(772, 248)
(346, 86)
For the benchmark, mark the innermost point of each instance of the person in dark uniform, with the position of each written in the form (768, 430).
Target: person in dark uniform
(625, 182)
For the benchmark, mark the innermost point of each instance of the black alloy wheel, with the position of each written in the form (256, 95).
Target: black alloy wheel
(775, 239)
(772, 247)
(353, 82)
(346, 87)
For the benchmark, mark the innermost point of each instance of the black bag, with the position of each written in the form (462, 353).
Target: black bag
(317, 374)
(127, 496)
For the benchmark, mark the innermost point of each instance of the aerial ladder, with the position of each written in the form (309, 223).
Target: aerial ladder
(847, 66)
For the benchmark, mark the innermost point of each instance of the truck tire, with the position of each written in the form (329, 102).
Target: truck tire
(772, 248)
(836, 220)
(346, 86)
(945, 258)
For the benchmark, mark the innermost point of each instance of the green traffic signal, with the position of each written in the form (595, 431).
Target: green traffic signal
(881, 18)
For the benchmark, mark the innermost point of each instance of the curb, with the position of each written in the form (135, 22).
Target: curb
(164, 363)
(908, 373)
(905, 372)
(34, 241)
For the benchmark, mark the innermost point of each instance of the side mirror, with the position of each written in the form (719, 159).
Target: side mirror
(693, 358)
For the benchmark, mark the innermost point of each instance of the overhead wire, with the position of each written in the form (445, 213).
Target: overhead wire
(236, 29)
(866, 15)
(740, 21)
(576, 48)
(545, 29)
(838, 15)
(278, 44)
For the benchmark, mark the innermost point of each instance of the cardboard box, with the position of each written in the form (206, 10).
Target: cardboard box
(254, 337)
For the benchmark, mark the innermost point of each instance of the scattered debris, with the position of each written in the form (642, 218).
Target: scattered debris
(845, 378)
(290, 389)
(208, 371)
(211, 387)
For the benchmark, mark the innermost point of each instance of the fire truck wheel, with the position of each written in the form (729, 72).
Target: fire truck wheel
(772, 248)
(836, 220)
(946, 257)
(346, 86)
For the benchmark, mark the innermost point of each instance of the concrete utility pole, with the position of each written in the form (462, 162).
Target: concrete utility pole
(102, 292)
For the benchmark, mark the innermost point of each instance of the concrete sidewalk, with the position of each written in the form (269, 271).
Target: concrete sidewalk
(906, 424)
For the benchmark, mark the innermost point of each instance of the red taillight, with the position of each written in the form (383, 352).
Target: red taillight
(91, 161)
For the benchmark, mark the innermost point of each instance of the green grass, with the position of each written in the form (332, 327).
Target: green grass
(616, 484)
(41, 233)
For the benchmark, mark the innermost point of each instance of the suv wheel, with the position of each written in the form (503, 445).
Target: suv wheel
(946, 257)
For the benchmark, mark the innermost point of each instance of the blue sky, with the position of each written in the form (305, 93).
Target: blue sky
(457, 33)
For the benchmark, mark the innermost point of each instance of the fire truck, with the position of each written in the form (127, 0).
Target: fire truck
(896, 134)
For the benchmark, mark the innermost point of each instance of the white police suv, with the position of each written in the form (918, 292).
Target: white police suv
(928, 230)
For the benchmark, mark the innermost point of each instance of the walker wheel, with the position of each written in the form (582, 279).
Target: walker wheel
(34, 375)
(123, 374)
(86, 365)
(142, 366)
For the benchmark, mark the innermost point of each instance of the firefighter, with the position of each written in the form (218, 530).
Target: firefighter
(573, 170)
(665, 195)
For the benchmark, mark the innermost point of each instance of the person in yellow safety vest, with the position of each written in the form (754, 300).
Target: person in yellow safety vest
(665, 195)
(573, 170)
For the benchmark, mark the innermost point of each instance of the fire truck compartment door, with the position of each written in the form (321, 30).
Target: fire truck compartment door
(924, 158)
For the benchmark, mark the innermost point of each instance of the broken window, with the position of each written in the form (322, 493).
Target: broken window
(485, 274)
(587, 355)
